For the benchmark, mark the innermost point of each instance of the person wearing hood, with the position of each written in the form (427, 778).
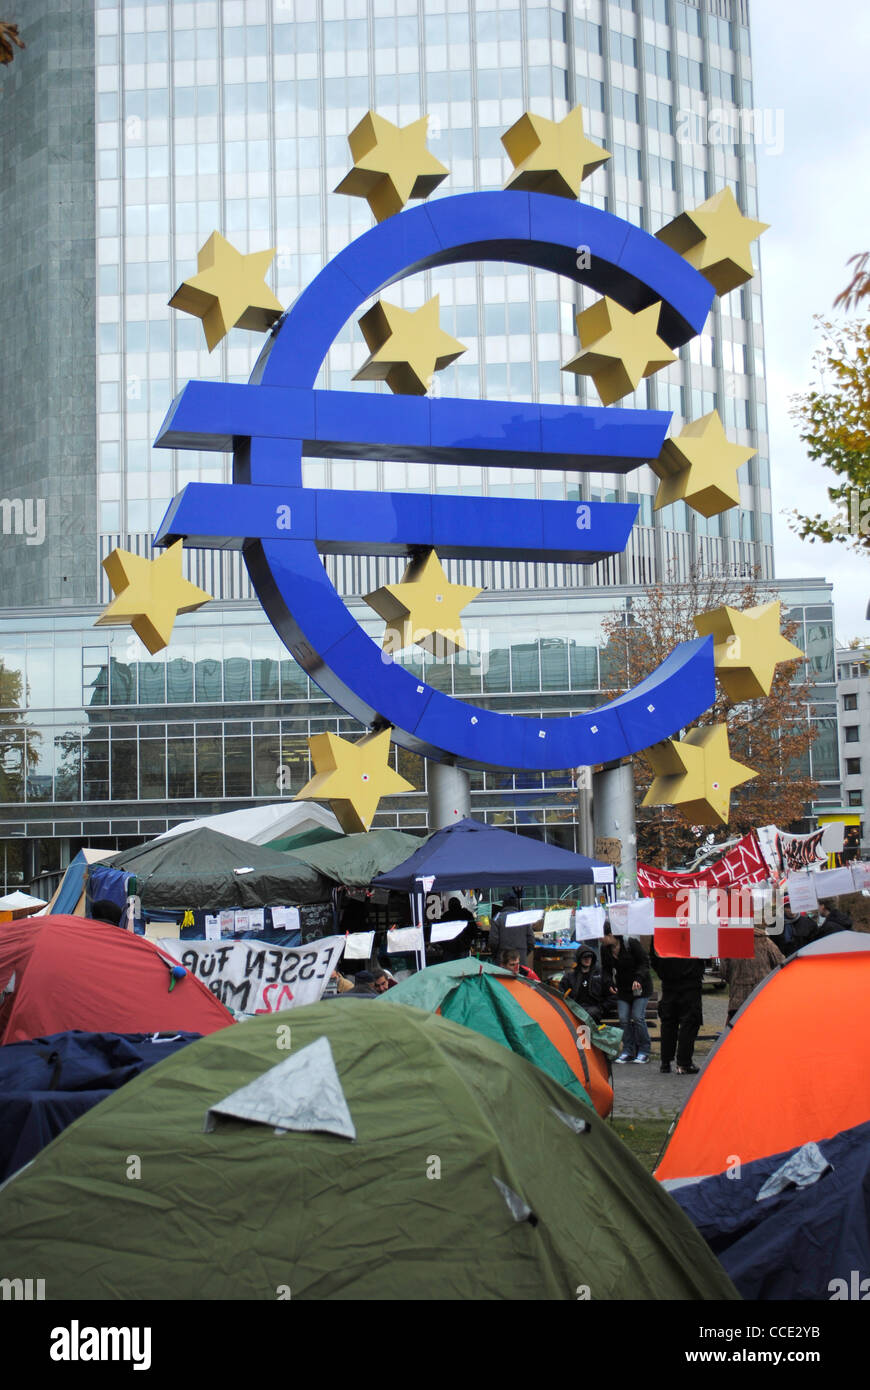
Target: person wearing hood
(585, 984)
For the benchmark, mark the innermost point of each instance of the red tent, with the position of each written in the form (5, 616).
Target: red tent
(58, 973)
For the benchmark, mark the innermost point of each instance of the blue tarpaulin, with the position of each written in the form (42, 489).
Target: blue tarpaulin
(470, 854)
(794, 1245)
(47, 1083)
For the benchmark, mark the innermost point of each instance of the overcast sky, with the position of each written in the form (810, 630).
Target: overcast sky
(810, 64)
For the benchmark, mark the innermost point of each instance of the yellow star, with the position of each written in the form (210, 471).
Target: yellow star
(390, 164)
(407, 346)
(619, 348)
(748, 647)
(551, 156)
(423, 609)
(700, 467)
(715, 239)
(697, 774)
(352, 777)
(229, 291)
(149, 594)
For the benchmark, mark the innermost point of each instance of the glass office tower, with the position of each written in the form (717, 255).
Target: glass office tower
(233, 115)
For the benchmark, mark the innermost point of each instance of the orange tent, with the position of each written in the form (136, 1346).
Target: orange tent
(567, 1035)
(793, 1066)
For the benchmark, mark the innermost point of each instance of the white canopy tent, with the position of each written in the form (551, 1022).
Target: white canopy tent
(261, 824)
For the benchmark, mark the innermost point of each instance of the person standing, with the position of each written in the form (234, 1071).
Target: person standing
(625, 964)
(744, 975)
(509, 938)
(680, 1009)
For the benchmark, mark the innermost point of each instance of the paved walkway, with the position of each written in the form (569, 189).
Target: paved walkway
(643, 1092)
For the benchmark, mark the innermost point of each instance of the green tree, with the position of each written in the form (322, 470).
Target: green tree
(771, 735)
(834, 420)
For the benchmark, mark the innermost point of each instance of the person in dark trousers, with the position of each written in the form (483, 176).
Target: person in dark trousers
(505, 938)
(625, 967)
(585, 984)
(680, 1009)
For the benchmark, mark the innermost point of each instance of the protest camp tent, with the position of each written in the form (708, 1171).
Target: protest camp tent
(402, 1181)
(204, 869)
(261, 825)
(48, 1082)
(58, 973)
(803, 1040)
(795, 1225)
(18, 904)
(519, 1014)
(471, 854)
(355, 860)
(68, 899)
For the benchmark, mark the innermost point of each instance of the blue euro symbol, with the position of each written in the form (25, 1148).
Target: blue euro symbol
(283, 528)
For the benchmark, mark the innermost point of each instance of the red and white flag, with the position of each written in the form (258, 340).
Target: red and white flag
(704, 922)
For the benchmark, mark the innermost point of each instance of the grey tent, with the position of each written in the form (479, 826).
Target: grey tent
(204, 869)
(356, 859)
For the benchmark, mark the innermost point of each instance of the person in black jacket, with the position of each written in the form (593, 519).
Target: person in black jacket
(625, 967)
(799, 930)
(680, 1009)
(585, 984)
(505, 938)
(831, 920)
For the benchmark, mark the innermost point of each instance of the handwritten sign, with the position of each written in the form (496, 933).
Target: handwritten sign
(250, 978)
(608, 848)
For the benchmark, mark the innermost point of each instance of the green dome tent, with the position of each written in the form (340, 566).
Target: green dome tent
(415, 1159)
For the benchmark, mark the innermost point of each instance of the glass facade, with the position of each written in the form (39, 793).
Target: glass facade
(103, 744)
(235, 115)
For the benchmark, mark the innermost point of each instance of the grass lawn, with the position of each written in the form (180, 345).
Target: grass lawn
(645, 1136)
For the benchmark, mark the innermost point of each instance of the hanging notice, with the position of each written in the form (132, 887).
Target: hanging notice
(212, 928)
(860, 875)
(801, 889)
(830, 883)
(404, 939)
(447, 931)
(588, 922)
(257, 919)
(559, 921)
(250, 978)
(358, 945)
(285, 918)
(227, 921)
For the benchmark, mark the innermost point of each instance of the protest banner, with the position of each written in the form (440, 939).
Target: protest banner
(250, 978)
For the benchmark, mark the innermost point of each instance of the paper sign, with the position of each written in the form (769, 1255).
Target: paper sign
(285, 918)
(252, 977)
(830, 883)
(589, 921)
(618, 914)
(358, 945)
(641, 917)
(523, 919)
(603, 874)
(212, 928)
(559, 921)
(227, 921)
(157, 931)
(243, 921)
(426, 880)
(447, 931)
(404, 939)
(257, 919)
(860, 875)
(801, 890)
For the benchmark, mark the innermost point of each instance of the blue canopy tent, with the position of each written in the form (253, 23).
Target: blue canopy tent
(471, 854)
